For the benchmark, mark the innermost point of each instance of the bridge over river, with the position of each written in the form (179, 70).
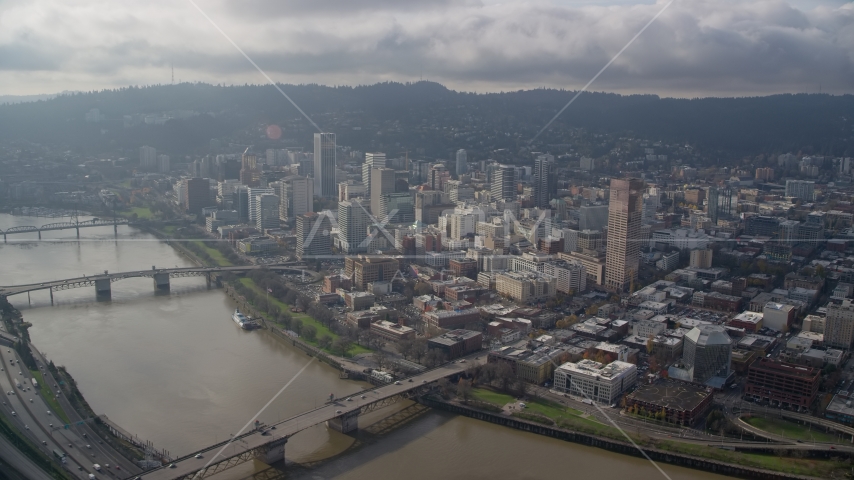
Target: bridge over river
(267, 442)
(95, 222)
(161, 276)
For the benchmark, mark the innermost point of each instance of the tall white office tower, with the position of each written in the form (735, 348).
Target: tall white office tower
(372, 160)
(254, 193)
(353, 224)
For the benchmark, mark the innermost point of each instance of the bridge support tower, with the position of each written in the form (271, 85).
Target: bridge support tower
(161, 282)
(345, 423)
(40, 234)
(103, 289)
(275, 452)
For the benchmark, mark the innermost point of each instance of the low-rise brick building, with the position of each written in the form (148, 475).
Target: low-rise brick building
(682, 403)
(457, 343)
(784, 385)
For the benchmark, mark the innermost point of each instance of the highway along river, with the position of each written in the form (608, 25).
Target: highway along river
(175, 369)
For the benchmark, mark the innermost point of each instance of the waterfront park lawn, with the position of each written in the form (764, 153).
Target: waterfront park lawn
(538, 406)
(215, 254)
(220, 260)
(322, 329)
(811, 467)
(795, 431)
(143, 213)
(48, 396)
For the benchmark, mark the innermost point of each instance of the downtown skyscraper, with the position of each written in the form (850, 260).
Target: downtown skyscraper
(503, 183)
(314, 235)
(462, 162)
(324, 165)
(545, 181)
(372, 160)
(625, 212)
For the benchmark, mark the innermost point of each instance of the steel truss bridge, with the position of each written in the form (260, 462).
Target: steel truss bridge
(161, 277)
(63, 226)
(267, 442)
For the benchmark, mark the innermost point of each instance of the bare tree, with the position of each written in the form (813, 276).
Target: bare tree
(419, 349)
(435, 357)
(446, 388)
(504, 375)
(380, 358)
(464, 390)
(405, 348)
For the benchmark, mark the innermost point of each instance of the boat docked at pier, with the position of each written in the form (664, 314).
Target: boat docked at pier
(245, 322)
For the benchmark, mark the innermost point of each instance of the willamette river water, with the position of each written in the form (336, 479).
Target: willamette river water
(174, 369)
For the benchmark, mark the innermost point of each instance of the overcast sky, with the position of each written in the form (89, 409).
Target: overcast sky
(695, 48)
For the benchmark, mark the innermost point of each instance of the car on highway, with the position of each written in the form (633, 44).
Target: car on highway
(198, 455)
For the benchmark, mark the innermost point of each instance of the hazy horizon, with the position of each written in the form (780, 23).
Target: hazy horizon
(701, 48)
(10, 98)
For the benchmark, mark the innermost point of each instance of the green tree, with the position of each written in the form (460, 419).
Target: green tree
(341, 345)
(285, 319)
(296, 326)
(309, 332)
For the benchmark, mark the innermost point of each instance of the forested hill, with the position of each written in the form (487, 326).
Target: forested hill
(735, 126)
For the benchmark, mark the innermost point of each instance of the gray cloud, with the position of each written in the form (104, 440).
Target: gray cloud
(318, 8)
(701, 47)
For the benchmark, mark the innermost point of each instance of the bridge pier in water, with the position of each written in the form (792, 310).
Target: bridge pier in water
(345, 423)
(275, 452)
(161, 282)
(103, 289)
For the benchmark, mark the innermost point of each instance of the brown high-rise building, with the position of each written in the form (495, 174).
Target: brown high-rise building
(624, 224)
(249, 173)
(382, 182)
(695, 196)
(765, 174)
(366, 269)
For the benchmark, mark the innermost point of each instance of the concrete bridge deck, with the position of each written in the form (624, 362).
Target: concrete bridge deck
(267, 444)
